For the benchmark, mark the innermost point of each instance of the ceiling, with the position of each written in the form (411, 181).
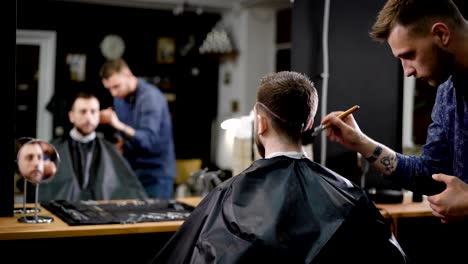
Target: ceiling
(206, 5)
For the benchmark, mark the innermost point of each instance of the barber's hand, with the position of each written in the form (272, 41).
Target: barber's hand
(120, 144)
(346, 131)
(49, 170)
(451, 205)
(108, 117)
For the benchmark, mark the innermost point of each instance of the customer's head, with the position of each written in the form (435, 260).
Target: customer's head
(31, 161)
(117, 77)
(421, 33)
(84, 113)
(287, 101)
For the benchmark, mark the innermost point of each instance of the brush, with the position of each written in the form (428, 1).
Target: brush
(322, 127)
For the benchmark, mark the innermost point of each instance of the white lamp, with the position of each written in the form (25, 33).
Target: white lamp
(234, 145)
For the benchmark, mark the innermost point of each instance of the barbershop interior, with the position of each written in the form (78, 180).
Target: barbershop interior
(206, 58)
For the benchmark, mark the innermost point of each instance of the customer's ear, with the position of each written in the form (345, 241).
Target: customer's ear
(309, 125)
(262, 124)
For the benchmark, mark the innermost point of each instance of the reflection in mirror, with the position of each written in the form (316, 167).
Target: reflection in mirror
(37, 162)
(23, 210)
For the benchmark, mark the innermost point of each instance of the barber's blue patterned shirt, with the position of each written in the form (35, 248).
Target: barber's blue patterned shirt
(152, 146)
(446, 148)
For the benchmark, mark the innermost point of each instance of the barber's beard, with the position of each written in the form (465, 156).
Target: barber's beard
(443, 68)
(260, 146)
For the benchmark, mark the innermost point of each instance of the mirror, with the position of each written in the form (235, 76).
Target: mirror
(37, 162)
(23, 184)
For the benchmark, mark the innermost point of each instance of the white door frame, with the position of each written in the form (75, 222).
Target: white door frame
(409, 86)
(46, 40)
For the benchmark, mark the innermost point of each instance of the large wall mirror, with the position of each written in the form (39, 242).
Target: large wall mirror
(35, 76)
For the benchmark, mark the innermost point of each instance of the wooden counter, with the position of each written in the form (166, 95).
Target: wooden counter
(140, 242)
(11, 229)
(407, 209)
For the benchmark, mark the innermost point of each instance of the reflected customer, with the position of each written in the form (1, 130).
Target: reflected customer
(91, 168)
(31, 162)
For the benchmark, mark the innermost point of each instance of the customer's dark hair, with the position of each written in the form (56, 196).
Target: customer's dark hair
(418, 15)
(290, 100)
(80, 94)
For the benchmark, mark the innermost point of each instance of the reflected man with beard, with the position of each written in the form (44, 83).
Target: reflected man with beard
(31, 162)
(91, 167)
(284, 208)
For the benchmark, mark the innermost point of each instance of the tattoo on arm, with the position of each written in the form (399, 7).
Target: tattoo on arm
(389, 163)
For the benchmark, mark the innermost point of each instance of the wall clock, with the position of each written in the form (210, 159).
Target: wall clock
(112, 46)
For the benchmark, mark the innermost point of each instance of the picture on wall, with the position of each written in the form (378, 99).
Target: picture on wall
(165, 50)
(77, 66)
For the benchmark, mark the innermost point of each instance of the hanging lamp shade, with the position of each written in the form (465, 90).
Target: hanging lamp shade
(218, 42)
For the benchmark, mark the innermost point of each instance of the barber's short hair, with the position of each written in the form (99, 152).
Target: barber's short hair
(111, 67)
(418, 15)
(291, 101)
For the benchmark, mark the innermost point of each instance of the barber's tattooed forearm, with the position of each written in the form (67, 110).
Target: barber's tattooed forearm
(388, 162)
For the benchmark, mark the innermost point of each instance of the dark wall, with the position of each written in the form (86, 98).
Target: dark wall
(462, 6)
(80, 29)
(362, 72)
(7, 107)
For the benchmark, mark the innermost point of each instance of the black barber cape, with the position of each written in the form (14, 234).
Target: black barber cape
(111, 177)
(284, 210)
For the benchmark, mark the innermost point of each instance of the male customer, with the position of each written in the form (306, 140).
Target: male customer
(430, 37)
(91, 168)
(141, 115)
(31, 162)
(284, 208)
